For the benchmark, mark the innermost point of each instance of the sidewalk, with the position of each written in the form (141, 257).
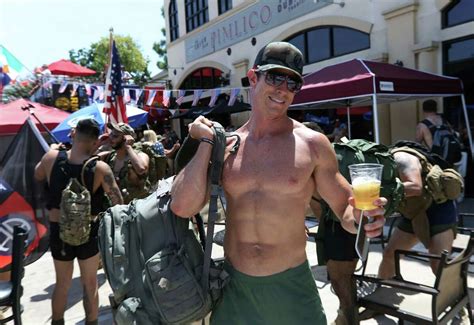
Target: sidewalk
(39, 281)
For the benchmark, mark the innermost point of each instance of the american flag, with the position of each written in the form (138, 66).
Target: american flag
(114, 107)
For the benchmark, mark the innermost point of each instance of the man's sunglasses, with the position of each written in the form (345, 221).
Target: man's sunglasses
(277, 79)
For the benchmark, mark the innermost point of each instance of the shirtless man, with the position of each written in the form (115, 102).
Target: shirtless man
(442, 219)
(268, 185)
(130, 167)
(423, 133)
(85, 138)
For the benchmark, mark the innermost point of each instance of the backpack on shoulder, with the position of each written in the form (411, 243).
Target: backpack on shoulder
(75, 208)
(157, 268)
(357, 151)
(157, 164)
(445, 141)
(440, 181)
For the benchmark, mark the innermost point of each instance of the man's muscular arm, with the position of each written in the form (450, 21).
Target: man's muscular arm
(139, 160)
(190, 187)
(109, 185)
(423, 135)
(409, 171)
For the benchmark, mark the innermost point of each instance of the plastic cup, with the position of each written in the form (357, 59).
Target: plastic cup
(366, 180)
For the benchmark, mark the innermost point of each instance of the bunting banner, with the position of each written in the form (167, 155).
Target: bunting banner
(166, 98)
(126, 96)
(233, 96)
(74, 89)
(180, 98)
(63, 86)
(197, 96)
(151, 97)
(214, 94)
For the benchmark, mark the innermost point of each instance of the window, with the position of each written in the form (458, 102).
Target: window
(322, 43)
(173, 19)
(458, 61)
(224, 5)
(196, 14)
(458, 12)
(204, 78)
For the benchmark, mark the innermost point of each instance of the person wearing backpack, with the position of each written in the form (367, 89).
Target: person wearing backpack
(437, 135)
(64, 170)
(130, 167)
(268, 184)
(424, 220)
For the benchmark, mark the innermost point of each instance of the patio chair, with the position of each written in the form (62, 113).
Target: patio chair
(416, 302)
(11, 291)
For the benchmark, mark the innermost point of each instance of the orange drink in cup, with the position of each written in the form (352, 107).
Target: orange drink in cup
(365, 179)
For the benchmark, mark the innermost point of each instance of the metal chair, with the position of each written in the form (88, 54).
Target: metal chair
(416, 302)
(11, 291)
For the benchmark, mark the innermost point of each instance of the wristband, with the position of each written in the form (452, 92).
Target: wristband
(206, 140)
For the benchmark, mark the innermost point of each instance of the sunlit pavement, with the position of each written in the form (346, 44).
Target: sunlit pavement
(39, 281)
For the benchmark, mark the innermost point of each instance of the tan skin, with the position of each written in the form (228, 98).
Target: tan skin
(139, 160)
(409, 170)
(268, 184)
(81, 150)
(423, 134)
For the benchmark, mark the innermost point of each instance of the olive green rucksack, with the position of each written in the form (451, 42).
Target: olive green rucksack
(358, 151)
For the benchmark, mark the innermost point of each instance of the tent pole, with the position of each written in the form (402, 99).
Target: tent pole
(349, 121)
(376, 118)
(468, 127)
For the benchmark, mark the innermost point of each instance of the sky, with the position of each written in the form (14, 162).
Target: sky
(40, 32)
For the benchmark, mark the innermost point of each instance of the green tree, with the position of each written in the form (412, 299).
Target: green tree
(97, 56)
(160, 47)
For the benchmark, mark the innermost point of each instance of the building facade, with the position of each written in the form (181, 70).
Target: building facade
(212, 44)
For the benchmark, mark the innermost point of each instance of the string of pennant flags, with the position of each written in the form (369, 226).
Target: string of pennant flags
(131, 95)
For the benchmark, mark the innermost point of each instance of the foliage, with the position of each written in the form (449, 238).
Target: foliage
(96, 57)
(160, 47)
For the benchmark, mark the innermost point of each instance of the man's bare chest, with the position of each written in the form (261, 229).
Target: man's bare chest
(267, 170)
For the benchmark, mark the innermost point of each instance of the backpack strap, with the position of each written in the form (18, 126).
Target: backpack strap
(215, 175)
(86, 163)
(425, 164)
(62, 161)
(428, 124)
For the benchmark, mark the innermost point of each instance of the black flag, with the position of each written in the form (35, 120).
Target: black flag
(22, 197)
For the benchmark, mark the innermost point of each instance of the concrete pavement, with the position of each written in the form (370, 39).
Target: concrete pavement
(39, 281)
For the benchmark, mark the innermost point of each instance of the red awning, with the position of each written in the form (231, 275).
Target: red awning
(65, 67)
(13, 117)
(354, 82)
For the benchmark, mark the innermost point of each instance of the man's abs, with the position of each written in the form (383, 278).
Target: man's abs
(266, 243)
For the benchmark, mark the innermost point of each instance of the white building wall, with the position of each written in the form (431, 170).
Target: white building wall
(406, 30)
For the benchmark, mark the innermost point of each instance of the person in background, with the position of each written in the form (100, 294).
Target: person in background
(98, 180)
(129, 166)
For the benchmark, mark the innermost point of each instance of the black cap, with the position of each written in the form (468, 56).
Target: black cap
(89, 127)
(280, 55)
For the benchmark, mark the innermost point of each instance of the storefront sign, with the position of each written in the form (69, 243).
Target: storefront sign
(254, 20)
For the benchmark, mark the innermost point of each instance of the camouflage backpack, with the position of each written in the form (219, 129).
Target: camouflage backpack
(157, 165)
(75, 209)
(362, 151)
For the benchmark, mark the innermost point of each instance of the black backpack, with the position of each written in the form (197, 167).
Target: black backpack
(445, 141)
(158, 271)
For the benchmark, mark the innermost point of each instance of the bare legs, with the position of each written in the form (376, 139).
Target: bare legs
(64, 271)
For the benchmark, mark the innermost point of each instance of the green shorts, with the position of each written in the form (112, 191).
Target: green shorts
(290, 297)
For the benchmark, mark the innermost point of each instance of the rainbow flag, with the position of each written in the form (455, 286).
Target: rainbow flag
(10, 64)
